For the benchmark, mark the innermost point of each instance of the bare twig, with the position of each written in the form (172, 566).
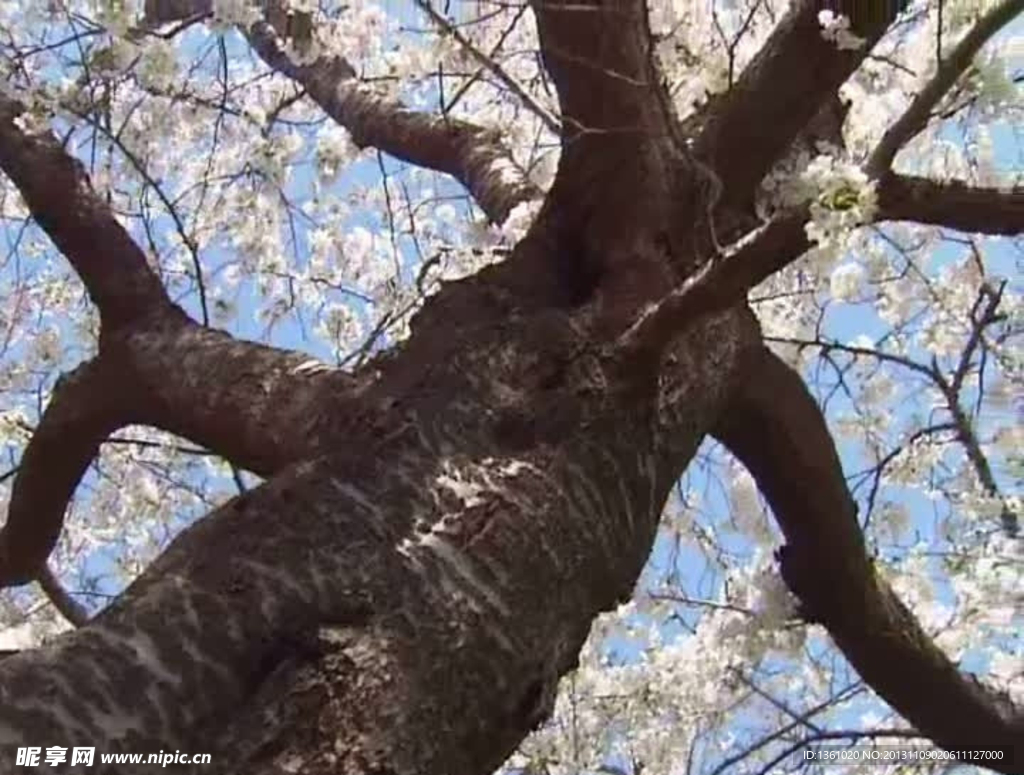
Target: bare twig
(493, 67)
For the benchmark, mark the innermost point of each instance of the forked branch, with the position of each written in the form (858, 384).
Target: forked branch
(789, 80)
(60, 197)
(725, 281)
(778, 432)
(251, 404)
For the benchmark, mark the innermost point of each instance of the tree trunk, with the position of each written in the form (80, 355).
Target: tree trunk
(407, 600)
(439, 529)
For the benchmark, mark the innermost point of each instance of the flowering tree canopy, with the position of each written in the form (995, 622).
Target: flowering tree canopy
(550, 386)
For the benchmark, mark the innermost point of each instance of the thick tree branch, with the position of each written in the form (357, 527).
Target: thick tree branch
(916, 116)
(782, 89)
(252, 404)
(60, 197)
(471, 154)
(725, 281)
(952, 204)
(783, 240)
(85, 408)
(777, 430)
(717, 285)
(624, 174)
(598, 56)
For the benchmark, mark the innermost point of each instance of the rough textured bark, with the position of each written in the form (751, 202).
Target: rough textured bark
(439, 529)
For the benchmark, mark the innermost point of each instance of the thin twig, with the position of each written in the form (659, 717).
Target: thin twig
(497, 70)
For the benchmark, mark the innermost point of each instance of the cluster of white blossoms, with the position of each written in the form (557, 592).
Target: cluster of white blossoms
(228, 13)
(841, 197)
(846, 281)
(158, 65)
(836, 28)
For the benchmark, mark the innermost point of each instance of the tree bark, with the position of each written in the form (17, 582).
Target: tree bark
(439, 529)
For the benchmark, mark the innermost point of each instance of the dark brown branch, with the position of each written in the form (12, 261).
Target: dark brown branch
(471, 154)
(952, 204)
(719, 284)
(85, 408)
(796, 72)
(916, 116)
(783, 240)
(624, 169)
(986, 304)
(68, 607)
(254, 405)
(598, 56)
(249, 403)
(60, 197)
(777, 430)
(726, 281)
